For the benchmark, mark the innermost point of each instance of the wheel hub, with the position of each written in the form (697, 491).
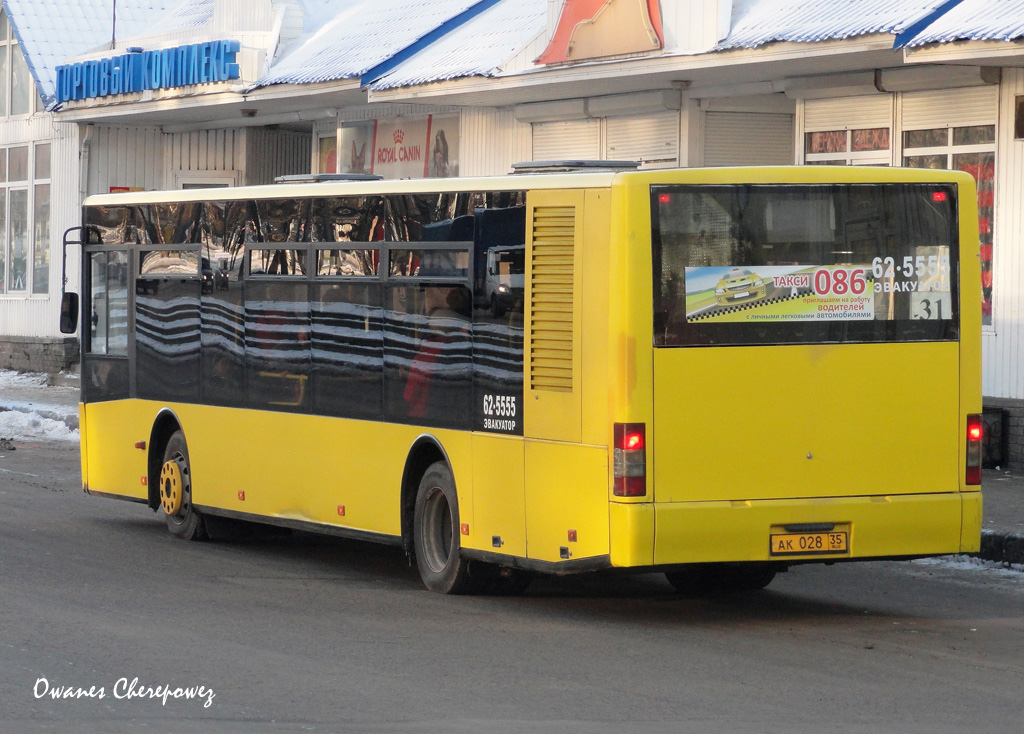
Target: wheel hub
(171, 487)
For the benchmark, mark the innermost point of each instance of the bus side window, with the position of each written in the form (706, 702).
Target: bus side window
(167, 318)
(277, 348)
(348, 349)
(429, 355)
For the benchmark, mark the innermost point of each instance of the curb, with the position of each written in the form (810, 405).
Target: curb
(1001, 547)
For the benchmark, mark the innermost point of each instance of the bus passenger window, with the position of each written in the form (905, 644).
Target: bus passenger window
(281, 220)
(428, 355)
(277, 262)
(348, 349)
(347, 219)
(167, 336)
(277, 348)
(347, 263)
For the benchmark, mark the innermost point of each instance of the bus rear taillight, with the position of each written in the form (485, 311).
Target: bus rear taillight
(974, 434)
(630, 460)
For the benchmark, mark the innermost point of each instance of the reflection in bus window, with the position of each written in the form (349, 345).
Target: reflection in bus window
(282, 220)
(347, 263)
(114, 225)
(109, 303)
(174, 223)
(505, 278)
(223, 334)
(347, 219)
(428, 355)
(104, 367)
(168, 262)
(167, 338)
(348, 349)
(277, 262)
(429, 263)
(277, 346)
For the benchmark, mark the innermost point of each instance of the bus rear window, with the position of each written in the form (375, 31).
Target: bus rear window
(791, 264)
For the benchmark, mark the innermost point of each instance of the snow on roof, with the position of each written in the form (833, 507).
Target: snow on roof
(362, 35)
(50, 31)
(976, 20)
(185, 14)
(757, 22)
(478, 48)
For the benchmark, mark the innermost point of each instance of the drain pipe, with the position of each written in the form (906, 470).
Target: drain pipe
(83, 163)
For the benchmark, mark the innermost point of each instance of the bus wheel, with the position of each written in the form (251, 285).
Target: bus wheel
(496, 310)
(436, 532)
(176, 491)
(710, 579)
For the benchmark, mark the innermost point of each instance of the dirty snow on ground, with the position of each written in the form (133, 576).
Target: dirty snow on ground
(968, 563)
(31, 409)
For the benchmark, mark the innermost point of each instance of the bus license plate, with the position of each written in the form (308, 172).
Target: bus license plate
(804, 544)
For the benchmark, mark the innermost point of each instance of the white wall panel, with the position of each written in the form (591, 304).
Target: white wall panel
(126, 156)
(694, 25)
(273, 153)
(491, 141)
(207, 150)
(1003, 345)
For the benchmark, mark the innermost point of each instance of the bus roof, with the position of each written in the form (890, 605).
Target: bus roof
(521, 182)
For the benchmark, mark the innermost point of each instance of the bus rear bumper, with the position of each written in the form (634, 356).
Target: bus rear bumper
(885, 526)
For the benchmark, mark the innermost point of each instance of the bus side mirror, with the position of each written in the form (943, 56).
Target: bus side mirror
(69, 313)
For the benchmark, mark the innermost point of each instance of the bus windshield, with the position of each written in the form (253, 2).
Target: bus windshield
(774, 264)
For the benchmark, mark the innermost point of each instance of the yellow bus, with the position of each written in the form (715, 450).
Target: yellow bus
(711, 373)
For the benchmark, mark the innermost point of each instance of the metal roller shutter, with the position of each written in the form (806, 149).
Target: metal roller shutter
(576, 139)
(748, 139)
(959, 107)
(653, 140)
(855, 113)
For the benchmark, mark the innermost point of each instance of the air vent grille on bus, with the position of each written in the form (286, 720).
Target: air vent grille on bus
(551, 307)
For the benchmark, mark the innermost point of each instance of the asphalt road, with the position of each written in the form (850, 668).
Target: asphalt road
(303, 633)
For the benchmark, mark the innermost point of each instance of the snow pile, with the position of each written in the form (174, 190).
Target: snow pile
(29, 408)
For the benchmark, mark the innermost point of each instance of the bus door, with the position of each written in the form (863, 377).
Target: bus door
(106, 323)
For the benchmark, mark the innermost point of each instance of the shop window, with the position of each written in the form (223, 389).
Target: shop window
(973, 149)
(861, 147)
(356, 147)
(1018, 119)
(327, 147)
(17, 90)
(406, 147)
(25, 219)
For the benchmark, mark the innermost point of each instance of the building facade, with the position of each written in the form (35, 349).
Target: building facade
(409, 88)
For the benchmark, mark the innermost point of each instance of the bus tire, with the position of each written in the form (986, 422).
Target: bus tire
(436, 532)
(183, 520)
(711, 579)
(496, 310)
